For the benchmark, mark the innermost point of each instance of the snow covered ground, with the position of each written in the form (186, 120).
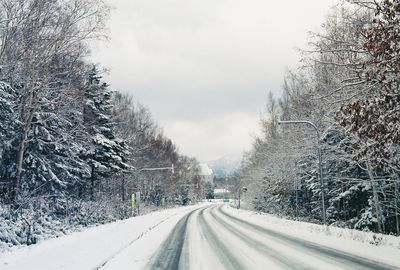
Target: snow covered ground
(382, 248)
(207, 236)
(311, 229)
(91, 248)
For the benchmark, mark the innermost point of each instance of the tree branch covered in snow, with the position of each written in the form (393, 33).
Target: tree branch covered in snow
(71, 148)
(348, 86)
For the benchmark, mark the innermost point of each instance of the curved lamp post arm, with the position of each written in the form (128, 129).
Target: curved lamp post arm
(158, 169)
(322, 185)
(302, 122)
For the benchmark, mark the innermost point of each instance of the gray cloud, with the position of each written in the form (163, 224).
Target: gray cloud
(203, 67)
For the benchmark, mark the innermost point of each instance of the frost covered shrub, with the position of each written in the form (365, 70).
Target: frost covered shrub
(28, 225)
(47, 218)
(14, 230)
(376, 239)
(8, 229)
(85, 213)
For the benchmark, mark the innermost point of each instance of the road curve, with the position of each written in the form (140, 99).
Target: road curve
(169, 254)
(212, 238)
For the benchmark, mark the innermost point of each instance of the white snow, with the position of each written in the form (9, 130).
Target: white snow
(93, 247)
(130, 244)
(205, 170)
(379, 247)
(221, 191)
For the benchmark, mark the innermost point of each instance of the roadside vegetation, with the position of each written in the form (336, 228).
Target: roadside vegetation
(72, 149)
(348, 85)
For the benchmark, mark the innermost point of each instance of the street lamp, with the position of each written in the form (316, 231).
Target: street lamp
(136, 199)
(321, 181)
(158, 169)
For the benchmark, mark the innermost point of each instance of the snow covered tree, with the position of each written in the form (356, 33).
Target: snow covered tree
(149, 148)
(33, 36)
(52, 166)
(375, 116)
(328, 79)
(209, 191)
(105, 153)
(8, 134)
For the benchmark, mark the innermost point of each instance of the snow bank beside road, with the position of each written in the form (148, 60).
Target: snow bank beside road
(89, 248)
(360, 243)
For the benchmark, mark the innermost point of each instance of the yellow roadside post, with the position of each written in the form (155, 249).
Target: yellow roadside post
(133, 203)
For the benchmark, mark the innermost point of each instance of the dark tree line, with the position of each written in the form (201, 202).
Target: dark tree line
(348, 86)
(71, 148)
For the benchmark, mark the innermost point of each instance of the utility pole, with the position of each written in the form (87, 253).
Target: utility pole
(396, 207)
(238, 207)
(321, 181)
(136, 197)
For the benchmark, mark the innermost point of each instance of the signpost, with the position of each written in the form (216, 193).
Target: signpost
(135, 198)
(135, 202)
(138, 202)
(321, 181)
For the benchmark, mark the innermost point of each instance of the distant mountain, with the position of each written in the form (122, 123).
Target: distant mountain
(226, 165)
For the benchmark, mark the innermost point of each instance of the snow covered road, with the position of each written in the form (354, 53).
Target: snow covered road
(215, 238)
(207, 236)
(94, 247)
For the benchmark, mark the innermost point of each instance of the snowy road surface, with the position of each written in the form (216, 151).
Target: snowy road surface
(200, 237)
(213, 237)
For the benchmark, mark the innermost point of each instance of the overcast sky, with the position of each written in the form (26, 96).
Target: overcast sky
(204, 67)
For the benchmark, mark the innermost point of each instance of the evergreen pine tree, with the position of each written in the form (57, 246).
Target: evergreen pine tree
(104, 152)
(8, 138)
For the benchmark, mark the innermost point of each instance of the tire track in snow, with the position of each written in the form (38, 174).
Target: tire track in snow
(169, 254)
(274, 255)
(104, 263)
(226, 257)
(347, 259)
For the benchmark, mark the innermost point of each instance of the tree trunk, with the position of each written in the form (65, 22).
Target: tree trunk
(396, 207)
(92, 182)
(375, 198)
(123, 189)
(20, 159)
(26, 117)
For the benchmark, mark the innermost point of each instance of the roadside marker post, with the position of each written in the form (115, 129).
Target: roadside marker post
(138, 202)
(133, 203)
(163, 202)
